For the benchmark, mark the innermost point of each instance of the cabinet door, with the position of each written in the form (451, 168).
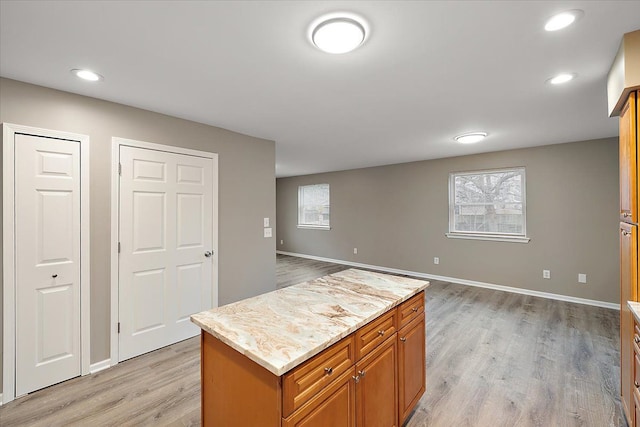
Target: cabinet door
(411, 366)
(333, 406)
(628, 161)
(628, 292)
(376, 389)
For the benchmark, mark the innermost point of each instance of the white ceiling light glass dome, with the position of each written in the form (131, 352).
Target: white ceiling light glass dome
(471, 137)
(338, 33)
(563, 19)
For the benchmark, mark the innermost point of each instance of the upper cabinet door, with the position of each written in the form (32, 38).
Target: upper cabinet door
(628, 161)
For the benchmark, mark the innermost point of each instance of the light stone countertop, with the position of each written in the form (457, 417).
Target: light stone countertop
(281, 329)
(635, 309)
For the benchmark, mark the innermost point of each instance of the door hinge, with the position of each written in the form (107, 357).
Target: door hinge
(118, 327)
(119, 247)
(120, 169)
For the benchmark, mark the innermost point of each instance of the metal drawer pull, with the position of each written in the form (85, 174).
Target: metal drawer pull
(414, 309)
(626, 214)
(635, 383)
(356, 378)
(54, 275)
(625, 232)
(361, 373)
(328, 371)
(403, 339)
(208, 254)
(381, 333)
(636, 339)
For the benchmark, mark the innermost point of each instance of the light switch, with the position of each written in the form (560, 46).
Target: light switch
(268, 232)
(266, 222)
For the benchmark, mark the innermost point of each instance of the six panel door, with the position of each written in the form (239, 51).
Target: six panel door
(166, 223)
(47, 242)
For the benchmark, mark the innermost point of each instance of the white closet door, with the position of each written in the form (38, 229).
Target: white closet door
(166, 227)
(47, 227)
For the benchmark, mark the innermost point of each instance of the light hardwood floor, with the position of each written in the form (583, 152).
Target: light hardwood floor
(493, 359)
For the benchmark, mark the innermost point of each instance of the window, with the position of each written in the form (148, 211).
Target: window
(488, 205)
(313, 206)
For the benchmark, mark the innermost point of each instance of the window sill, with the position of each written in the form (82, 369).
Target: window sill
(315, 227)
(492, 238)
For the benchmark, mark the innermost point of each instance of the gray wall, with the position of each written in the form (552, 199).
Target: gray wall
(246, 186)
(397, 217)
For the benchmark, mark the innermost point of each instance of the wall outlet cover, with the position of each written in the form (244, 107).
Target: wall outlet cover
(268, 232)
(436, 260)
(582, 278)
(546, 274)
(266, 222)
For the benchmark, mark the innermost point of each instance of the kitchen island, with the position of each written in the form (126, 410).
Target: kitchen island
(343, 350)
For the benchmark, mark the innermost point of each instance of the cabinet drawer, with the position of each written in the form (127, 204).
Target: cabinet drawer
(636, 339)
(410, 309)
(636, 376)
(306, 380)
(374, 333)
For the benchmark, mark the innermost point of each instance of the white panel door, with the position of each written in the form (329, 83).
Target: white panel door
(166, 235)
(47, 227)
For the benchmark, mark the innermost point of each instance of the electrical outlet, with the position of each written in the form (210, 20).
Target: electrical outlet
(436, 260)
(546, 274)
(582, 278)
(265, 221)
(355, 251)
(268, 232)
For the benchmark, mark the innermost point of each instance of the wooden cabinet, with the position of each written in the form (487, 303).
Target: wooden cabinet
(628, 161)
(332, 406)
(628, 292)
(352, 383)
(376, 387)
(411, 366)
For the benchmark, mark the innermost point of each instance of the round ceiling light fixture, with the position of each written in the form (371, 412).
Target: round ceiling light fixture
(471, 137)
(338, 34)
(562, 78)
(87, 75)
(563, 19)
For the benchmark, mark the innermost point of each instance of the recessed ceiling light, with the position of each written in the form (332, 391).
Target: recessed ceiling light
(338, 35)
(471, 137)
(87, 75)
(563, 19)
(562, 78)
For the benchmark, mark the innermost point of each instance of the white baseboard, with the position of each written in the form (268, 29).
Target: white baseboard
(99, 366)
(548, 295)
(1, 402)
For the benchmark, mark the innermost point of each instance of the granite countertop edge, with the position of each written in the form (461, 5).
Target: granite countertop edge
(279, 369)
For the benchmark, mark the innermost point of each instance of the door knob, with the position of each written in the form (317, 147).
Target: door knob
(208, 254)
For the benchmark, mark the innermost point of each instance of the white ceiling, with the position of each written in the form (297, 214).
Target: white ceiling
(427, 72)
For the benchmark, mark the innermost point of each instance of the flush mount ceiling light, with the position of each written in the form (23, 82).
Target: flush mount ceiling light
(562, 78)
(338, 34)
(87, 75)
(471, 137)
(563, 19)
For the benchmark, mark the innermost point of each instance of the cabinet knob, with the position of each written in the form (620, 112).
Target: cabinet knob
(626, 214)
(381, 332)
(636, 339)
(361, 373)
(54, 275)
(403, 339)
(208, 254)
(635, 383)
(328, 371)
(356, 379)
(625, 232)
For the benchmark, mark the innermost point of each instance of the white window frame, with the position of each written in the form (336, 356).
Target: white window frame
(495, 236)
(300, 208)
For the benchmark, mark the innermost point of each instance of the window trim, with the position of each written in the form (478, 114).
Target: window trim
(312, 226)
(496, 237)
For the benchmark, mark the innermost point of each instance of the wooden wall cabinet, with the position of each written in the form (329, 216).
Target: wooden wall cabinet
(628, 252)
(352, 383)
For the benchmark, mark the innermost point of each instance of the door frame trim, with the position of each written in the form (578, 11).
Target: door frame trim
(116, 143)
(9, 131)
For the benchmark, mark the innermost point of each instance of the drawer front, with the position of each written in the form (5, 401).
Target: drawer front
(636, 375)
(410, 309)
(636, 339)
(374, 333)
(305, 381)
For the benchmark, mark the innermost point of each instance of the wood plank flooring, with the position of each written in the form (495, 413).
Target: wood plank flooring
(493, 359)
